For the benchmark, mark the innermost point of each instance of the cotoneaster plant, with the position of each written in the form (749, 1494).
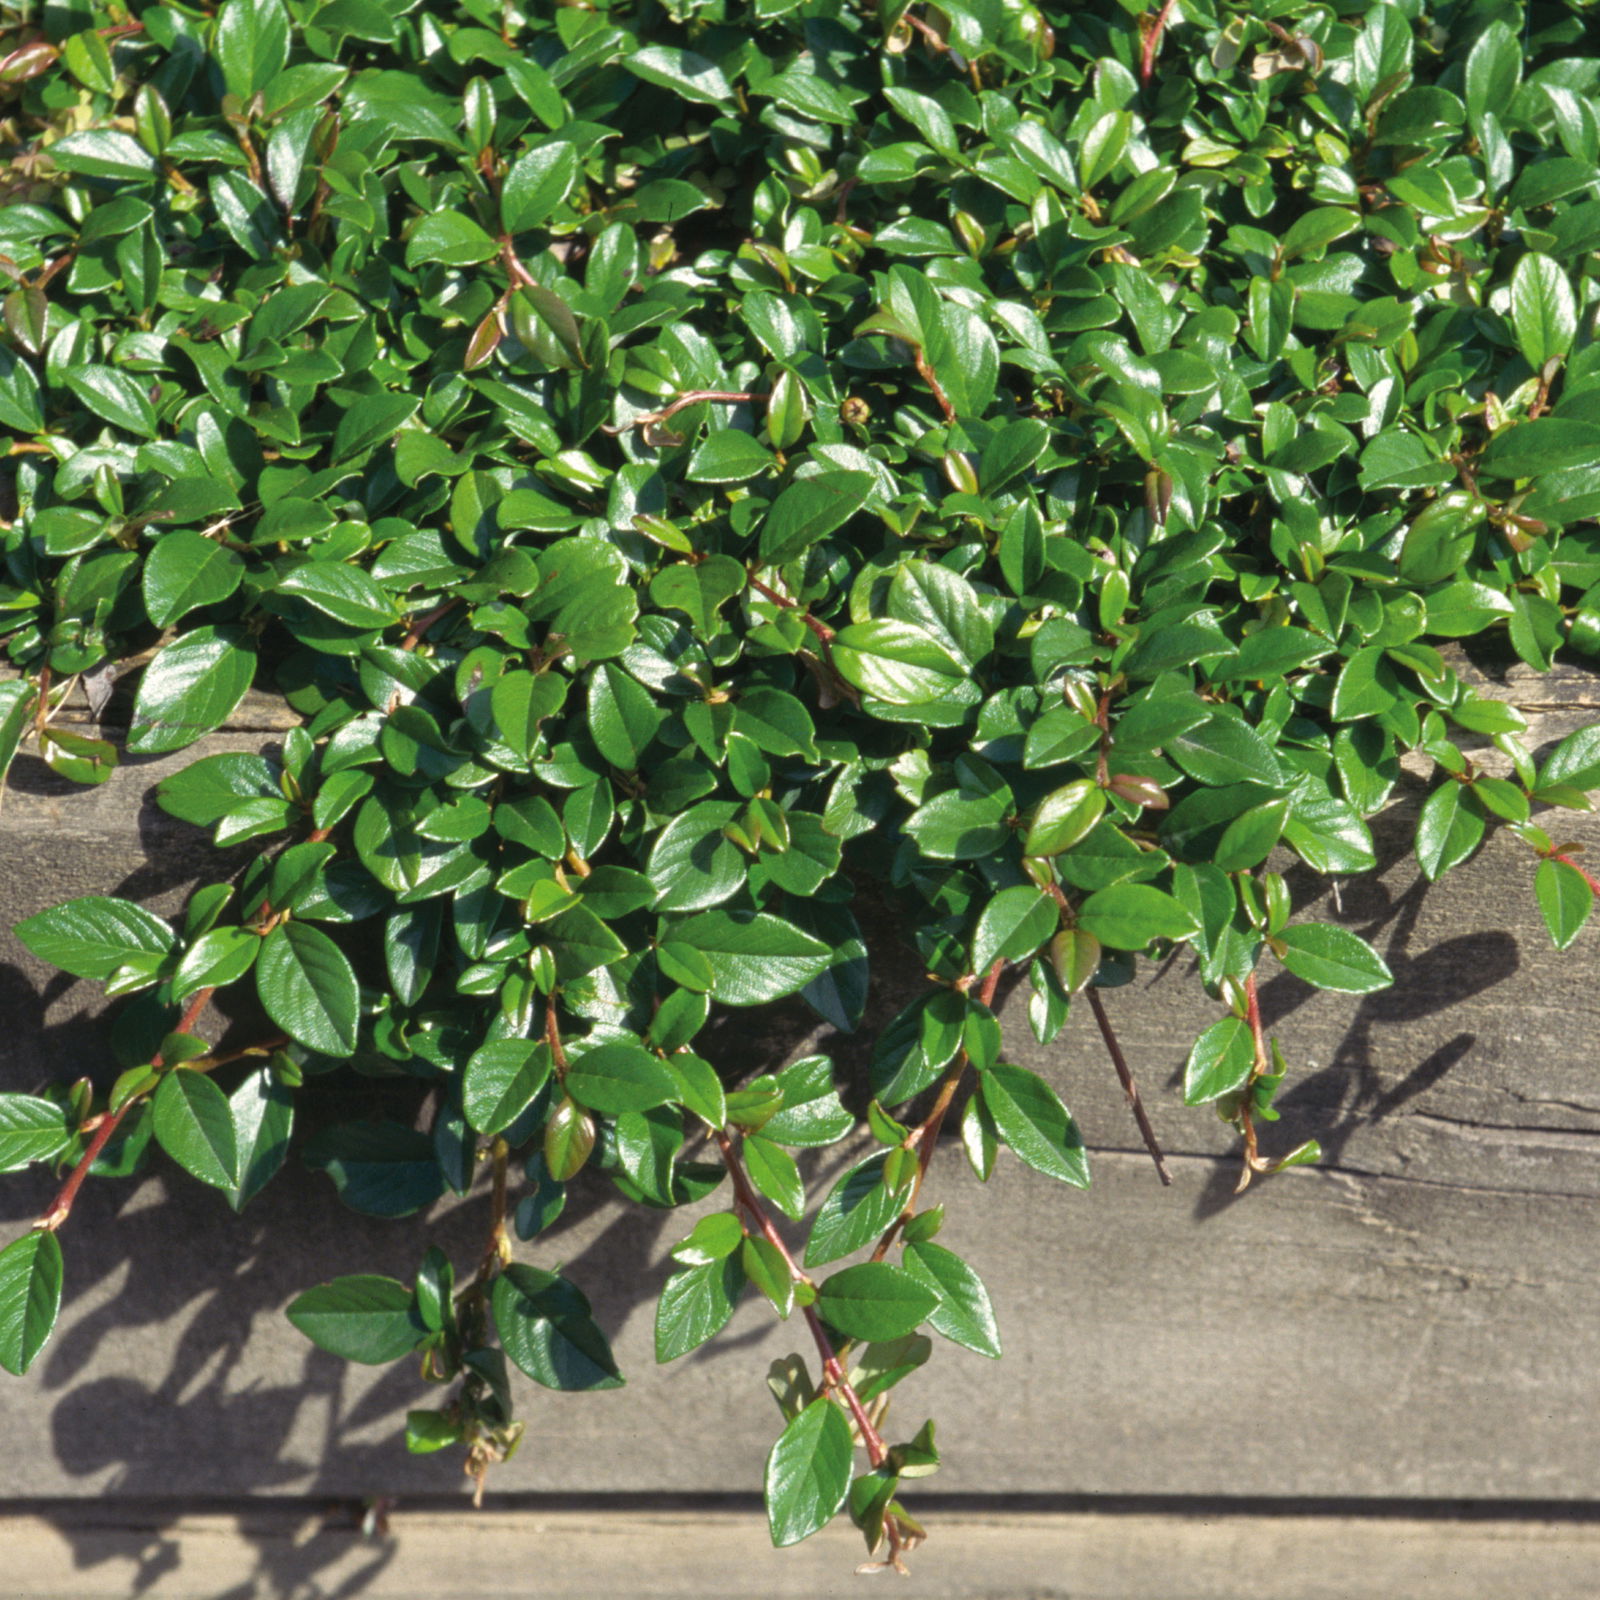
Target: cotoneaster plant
(692, 466)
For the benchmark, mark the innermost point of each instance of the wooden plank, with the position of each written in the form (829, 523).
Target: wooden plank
(1329, 1334)
(1410, 1320)
(713, 1555)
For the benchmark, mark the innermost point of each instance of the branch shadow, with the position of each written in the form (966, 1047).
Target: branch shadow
(1337, 1102)
(150, 1394)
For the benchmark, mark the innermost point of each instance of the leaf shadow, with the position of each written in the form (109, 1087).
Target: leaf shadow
(1336, 1103)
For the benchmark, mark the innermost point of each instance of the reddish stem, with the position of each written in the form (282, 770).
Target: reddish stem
(821, 629)
(552, 1035)
(1567, 861)
(1247, 1126)
(927, 375)
(877, 1451)
(515, 270)
(841, 212)
(694, 397)
(60, 1208)
(1152, 42)
(419, 628)
(925, 1136)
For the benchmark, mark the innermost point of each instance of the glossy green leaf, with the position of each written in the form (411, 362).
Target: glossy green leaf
(546, 1327)
(1565, 900)
(1333, 958)
(620, 1076)
(537, 183)
(1012, 926)
(810, 509)
(1544, 310)
(31, 1129)
(754, 957)
(262, 1111)
(308, 988)
(502, 1077)
(186, 570)
(364, 1318)
(964, 1313)
(194, 1123)
(695, 1305)
(808, 1473)
(191, 688)
(875, 1301)
(1029, 1116)
(30, 1298)
(858, 1208)
(686, 73)
(1220, 1061)
(1127, 916)
(93, 936)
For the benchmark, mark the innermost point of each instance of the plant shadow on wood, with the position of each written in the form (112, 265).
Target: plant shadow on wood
(1336, 1103)
(156, 1388)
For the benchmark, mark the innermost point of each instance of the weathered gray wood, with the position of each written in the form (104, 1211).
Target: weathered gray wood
(273, 1555)
(1413, 1319)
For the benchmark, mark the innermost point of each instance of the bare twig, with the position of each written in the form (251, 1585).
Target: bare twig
(1152, 41)
(419, 628)
(694, 397)
(1129, 1087)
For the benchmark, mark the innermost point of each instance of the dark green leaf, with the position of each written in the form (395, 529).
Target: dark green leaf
(1333, 958)
(546, 1327)
(308, 988)
(1565, 900)
(502, 1077)
(810, 509)
(94, 936)
(964, 1313)
(194, 1123)
(382, 1168)
(875, 1301)
(1219, 1062)
(620, 1076)
(191, 687)
(31, 1129)
(696, 1304)
(754, 957)
(363, 1318)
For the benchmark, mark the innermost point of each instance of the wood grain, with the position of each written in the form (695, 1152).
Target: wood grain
(1413, 1318)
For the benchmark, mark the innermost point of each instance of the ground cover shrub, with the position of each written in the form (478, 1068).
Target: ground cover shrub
(693, 466)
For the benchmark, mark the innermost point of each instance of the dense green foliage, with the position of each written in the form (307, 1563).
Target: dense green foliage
(691, 464)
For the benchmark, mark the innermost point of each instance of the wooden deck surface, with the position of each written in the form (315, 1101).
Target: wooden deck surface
(1416, 1319)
